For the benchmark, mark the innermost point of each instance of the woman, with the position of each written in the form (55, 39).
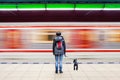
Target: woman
(59, 49)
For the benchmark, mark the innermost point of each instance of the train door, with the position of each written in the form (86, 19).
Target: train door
(13, 39)
(83, 38)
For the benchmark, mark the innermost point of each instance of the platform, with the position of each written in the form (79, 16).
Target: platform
(48, 58)
(46, 72)
(40, 66)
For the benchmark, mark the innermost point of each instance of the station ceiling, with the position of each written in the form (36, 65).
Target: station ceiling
(60, 16)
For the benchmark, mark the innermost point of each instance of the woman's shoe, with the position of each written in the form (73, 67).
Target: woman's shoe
(56, 71)
(61, 71)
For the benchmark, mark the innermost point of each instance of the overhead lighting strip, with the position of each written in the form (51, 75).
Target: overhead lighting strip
(5, 7)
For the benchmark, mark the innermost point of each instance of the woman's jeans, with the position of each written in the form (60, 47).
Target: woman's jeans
(58, 62)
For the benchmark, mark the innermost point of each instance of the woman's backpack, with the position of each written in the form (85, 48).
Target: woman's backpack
(59, 45)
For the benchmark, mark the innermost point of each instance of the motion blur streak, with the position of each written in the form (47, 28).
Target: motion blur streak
(75, 38)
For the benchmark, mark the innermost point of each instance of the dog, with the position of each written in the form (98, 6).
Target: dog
(75, 66)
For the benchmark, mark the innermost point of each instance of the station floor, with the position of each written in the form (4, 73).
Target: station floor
(47, 72)
(41, 58)
(40, 66)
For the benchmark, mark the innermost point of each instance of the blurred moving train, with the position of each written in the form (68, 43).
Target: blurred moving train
(78, 36)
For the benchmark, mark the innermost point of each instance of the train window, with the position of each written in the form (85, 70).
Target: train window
(50, 36)
(43, 36)
(114, 36)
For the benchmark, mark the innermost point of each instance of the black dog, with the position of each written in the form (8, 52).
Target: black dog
(75, 64)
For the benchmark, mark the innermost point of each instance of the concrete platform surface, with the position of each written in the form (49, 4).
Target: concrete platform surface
(40, 58)
(47, 72)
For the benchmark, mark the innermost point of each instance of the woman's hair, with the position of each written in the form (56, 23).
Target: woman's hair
(58, 33)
